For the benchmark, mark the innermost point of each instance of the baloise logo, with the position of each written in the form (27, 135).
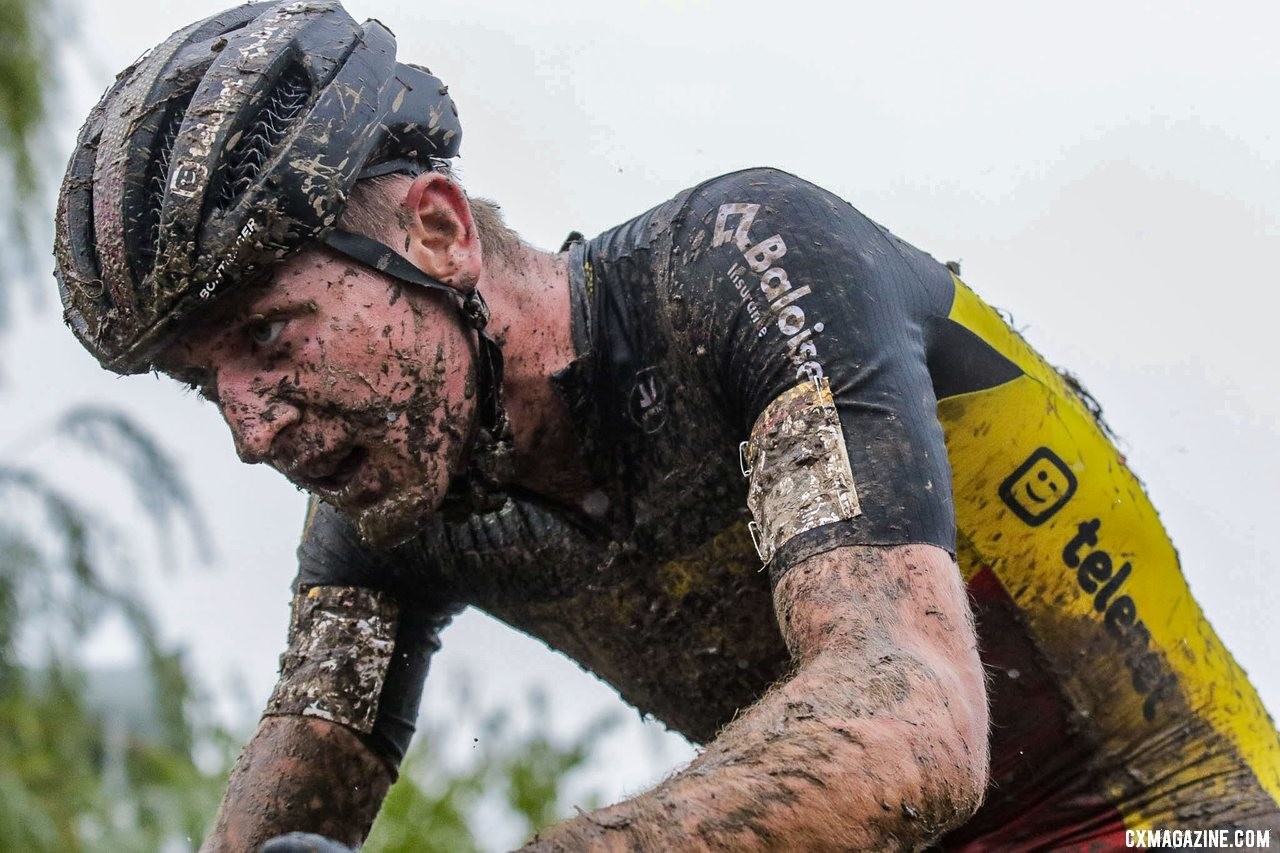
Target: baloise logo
(1040, 487)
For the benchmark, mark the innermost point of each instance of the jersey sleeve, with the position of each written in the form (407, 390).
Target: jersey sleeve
(362, 631)
(816, 319)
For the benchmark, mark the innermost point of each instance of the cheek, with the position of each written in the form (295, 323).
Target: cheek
(431, 349)
(432, 427)
(435, 388)
(354, 363)
(391, 352)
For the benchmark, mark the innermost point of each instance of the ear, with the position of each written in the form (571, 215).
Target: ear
(442, 239)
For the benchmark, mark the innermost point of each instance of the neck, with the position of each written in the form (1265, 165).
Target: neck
(528, 299)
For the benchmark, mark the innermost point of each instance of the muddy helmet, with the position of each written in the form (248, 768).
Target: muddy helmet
(222, 151)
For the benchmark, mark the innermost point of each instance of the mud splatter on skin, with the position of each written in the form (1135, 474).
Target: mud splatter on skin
(297, 777)
(877, 705)
(669, 605)
(346, 363)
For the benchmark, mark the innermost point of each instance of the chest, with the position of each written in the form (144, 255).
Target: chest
(690, 640)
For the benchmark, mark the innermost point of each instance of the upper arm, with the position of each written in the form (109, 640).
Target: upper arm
(819, 319)
(870, 600)
(343, 710)
(885, 636)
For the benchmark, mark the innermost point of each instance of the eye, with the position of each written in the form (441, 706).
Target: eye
(263, 331)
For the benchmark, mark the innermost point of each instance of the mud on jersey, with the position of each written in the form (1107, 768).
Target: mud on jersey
(756, 342)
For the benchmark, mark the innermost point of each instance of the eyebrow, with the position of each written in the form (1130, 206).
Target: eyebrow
(287, 308)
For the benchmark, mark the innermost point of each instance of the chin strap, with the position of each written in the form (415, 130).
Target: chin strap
(480, 484)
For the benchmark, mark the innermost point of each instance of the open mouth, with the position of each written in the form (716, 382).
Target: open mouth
(342, 472)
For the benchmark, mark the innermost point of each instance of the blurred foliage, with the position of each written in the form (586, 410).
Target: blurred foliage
(23, 92)
(28, 86)
(83, 765)
(514, 780)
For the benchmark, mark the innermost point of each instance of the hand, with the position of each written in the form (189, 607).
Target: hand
(303, 842)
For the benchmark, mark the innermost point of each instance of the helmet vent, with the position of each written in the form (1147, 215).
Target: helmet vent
(262, 135)
(158, 180)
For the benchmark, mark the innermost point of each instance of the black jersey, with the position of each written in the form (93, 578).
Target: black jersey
(761, 374)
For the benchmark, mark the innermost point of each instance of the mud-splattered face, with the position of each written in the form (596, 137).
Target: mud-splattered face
(355, 389)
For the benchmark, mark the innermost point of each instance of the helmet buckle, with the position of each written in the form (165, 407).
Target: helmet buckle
(475, 310)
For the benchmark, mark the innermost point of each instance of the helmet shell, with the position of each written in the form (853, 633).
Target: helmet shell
(222, 151)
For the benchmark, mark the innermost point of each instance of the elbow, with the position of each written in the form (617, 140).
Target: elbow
(966, 711)
(924, 759)
(889, 784)
(926, 780)
(953, 781)
(944, 719)
(946, 772)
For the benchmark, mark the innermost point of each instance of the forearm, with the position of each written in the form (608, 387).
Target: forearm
(785, 771)
(299, 773)
(877, 741)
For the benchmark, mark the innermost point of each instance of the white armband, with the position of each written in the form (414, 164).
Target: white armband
(340, 645)
(799, 467)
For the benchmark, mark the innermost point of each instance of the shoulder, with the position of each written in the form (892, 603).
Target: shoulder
(729, 208)
(757, 180)
(762, 213)
(769, 187)
(758, 188)
(772, 225)
(331, 553)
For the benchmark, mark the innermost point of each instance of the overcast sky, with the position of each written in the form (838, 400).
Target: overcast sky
(1106, 173)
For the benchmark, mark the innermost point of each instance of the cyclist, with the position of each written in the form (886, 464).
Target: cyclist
(605, 448)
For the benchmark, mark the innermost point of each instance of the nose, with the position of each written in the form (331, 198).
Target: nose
(256, 414)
